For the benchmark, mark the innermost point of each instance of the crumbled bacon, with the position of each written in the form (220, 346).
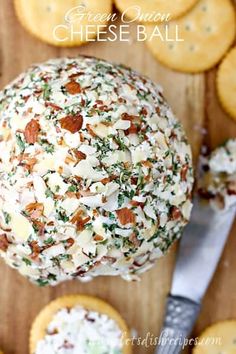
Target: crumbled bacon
(31, 131)
(73, 87)
(72, 123)
(125, 216)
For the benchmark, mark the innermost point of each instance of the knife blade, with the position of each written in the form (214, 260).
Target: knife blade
(199, 252)
(200, 249)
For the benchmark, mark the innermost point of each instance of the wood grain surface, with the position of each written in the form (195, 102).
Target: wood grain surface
(194, 101)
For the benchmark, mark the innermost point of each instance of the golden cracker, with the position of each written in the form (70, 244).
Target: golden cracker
(218, 338)
(226, 83)
(90, 303)
(45, 19)
(207, 32)
(174, 8)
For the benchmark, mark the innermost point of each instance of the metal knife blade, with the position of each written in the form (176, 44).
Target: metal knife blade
(199, 252)
(200, 249)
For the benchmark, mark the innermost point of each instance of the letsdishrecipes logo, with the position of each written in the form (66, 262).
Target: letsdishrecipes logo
(81, 24)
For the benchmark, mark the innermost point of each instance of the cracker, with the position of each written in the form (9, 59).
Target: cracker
(207, 31)
(45, 19)
(90, 303)
(218, 338)
(174, 8)
(226, 83)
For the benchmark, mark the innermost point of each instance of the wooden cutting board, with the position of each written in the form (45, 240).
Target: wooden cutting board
(141, 303)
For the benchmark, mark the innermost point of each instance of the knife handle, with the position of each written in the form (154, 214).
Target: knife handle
(181, 314)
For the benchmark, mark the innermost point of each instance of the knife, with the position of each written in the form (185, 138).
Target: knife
(200, 249)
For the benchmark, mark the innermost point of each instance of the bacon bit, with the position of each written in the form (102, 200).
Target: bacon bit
(183, 173)
(52, 105)
(125, 216)
(80, 155)
(73, 87)
(136, 203)
(69, 242)
(72, 123)
(133, 238)
(95, 212)
(31, 131)
(76, 217)
(98, 238)
(90, 130)
(4, 242)
(35, 249)
(175, 213)
(35, 210)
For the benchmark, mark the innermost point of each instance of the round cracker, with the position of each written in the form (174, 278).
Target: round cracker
(45, 19)
(226, 83)
(218, 338)
(175, 8)
(91, 303)
(207, 31)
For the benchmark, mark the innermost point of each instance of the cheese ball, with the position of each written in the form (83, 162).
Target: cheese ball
(218, 183)
(95, 172)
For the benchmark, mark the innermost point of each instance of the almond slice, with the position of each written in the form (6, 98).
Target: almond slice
(125, 216)
(72, 123)
(31, 131)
